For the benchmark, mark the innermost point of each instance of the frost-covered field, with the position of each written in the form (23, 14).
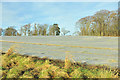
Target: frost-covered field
(90, 49)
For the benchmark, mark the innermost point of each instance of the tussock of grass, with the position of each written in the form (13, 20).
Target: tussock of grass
(22, 66)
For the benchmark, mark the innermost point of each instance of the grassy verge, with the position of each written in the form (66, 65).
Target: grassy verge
(22, 66)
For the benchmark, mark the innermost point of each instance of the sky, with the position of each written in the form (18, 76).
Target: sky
(59, 0)
(65, 14)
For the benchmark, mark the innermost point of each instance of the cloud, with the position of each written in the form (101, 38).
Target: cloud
(13, 15)
(9, 18)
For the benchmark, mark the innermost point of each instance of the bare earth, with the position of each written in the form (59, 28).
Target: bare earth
(89, 49)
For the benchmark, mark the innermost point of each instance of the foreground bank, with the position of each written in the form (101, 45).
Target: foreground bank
(22, 66)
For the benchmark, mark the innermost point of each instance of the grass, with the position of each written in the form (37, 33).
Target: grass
(23, 66)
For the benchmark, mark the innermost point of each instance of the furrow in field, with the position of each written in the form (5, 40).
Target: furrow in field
(59, 45)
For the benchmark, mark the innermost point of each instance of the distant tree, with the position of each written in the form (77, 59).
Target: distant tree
(64, 31)
(118, 20)
(81, 24)
(35, 32)
(18, 34)
(57, 29)
(101, 18)
(44, 32)
(1, 30)
(10, 31)
(40, 29)
(54, 30)
(26, 29)
(21, 30)
(102, 23)
(51, 30)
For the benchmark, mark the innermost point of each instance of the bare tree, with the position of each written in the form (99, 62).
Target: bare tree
(51, 30)
(26, 29)
(1, 30)
(44, 32)
(64, 31)
(54, 30)
(40, 27)
(103, 23)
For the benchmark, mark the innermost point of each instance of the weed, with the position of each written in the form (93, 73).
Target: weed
(67, 61)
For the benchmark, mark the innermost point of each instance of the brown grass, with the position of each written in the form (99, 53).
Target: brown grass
(24, 66)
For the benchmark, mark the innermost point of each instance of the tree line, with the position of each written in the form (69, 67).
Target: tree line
(40, 30)
(34, 30)
(102, 23)
(29, 30)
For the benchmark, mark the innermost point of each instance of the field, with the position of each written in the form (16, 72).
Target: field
(59, 57)
(24, 66)
(88, 49)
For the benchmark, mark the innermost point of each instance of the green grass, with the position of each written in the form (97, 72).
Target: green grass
(22, 66)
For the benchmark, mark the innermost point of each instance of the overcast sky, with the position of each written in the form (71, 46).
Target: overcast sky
(65, 14)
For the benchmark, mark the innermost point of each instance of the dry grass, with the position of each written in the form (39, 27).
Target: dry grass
(67, 61)
(22, 66)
